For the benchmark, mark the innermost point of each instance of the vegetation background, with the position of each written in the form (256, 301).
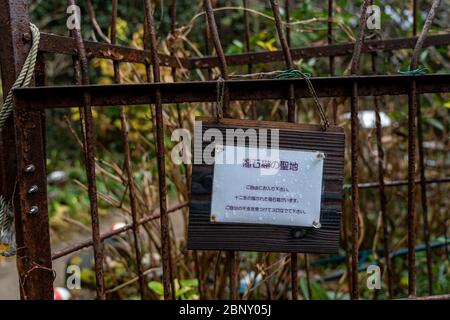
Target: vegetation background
(261, 275)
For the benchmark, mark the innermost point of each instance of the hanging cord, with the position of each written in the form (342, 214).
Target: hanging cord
(7, 237)
(293, 74)
(220, 89)
(421, 70)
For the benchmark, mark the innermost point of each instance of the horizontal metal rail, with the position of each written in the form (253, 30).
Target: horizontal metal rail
(340, 49)
(41, 98)
(52, 43)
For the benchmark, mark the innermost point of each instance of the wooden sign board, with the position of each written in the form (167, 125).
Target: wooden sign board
(296, 208)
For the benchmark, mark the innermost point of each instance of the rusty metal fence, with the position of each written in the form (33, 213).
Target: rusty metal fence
(23, 139)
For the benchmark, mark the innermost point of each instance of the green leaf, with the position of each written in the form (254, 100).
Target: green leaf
(156, 287)
(182, 291)
(436, 123)
(189, 283)
(447, 104)
(317, 291)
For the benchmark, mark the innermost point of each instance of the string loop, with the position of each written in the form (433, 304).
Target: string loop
(293, 74)
(220, 90)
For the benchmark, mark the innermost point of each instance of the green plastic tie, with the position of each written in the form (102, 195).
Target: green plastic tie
(421, 70)
(292, 74)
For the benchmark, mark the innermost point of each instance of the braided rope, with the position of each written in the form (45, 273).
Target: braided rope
(25, 76)
(23, 80)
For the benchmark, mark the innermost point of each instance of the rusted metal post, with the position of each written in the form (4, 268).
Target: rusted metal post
(291, 118)
(331, 64)
(212, 26)
(247, 33)
(23, 167)
(308, 276)
(173, 28)
(173, 17)
(412, 113)
(355, 70)
(90, 154)
(14, 47)
(383, 199)
(423, 197)
(127, 161)
(207, 39)
(423, 185)
(287, 57)
(253, 111)
(330, 34)
(165, 236)
(36, 281)
(345, 244)
(36, 278)
(287, 13)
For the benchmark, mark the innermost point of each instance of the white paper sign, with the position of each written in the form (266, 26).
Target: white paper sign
(252, 185)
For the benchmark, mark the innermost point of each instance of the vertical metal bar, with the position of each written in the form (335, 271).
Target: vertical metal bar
(247, 33)
(212, 26)
(346, 245)
(281, 35)
(127, 160)
(14, 23)
(423, 185)
(173, 26)
(412, 102)
(291, 118)
(173, 16)
(247, 49)
(165, 236)
(423, 195)
(294, 275)
(331, 63)
(287, 57)
(383, 199)
(308, 276)
(215, 37)
(355, 191)
(207, 39)
(36, 281)
(330, 34)
(412, 113)
(233, 270)
(294, 266)
(287, 12)
(355, 69)
(90, 146)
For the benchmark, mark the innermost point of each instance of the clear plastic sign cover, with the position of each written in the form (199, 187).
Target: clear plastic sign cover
(267, 186)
